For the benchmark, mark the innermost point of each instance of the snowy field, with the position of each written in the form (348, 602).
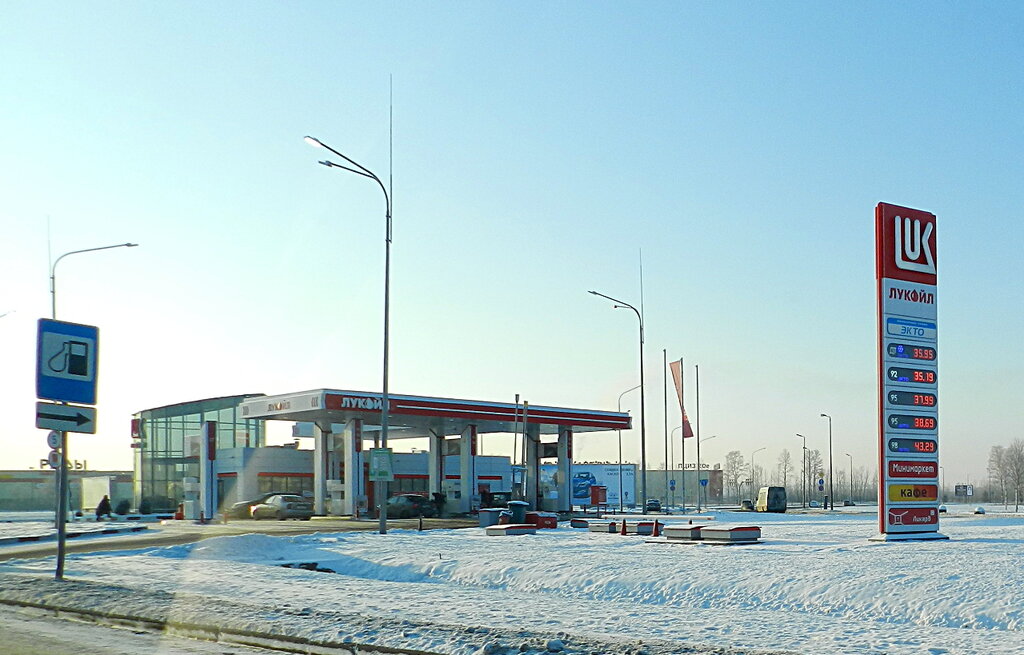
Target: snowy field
(815, 585)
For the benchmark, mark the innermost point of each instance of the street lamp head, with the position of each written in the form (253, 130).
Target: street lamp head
(130, 245)
(825, 416)
(593, 293)
(328, 164)
(313, 141)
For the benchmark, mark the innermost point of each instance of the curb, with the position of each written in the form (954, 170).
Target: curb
(228, 636)
(70, 535)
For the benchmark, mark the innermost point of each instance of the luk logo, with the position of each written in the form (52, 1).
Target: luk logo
(911, 244)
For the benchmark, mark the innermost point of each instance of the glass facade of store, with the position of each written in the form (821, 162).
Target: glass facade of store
(162, 457)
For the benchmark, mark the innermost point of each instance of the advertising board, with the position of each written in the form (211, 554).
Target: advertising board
(908, 400)
(584, 476)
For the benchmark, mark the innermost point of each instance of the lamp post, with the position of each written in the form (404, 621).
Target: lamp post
(831, 491)
(752, 467)
(53, 271)
(851, 475)
(621, 509)
(803, 469)
(380, 488)
(619, 304)
(62, 473)
(699, 473)
(682, 457)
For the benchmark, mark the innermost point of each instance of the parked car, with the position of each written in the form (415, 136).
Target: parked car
(243, 509)
(653, 505)
(283, 506)
(407, 506)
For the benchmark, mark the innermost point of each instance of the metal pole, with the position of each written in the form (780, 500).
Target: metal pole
(851, 475)
(664, 385)
(831, 490)
(752, 468)
(803, 470)
(643, 425)
(515, 433)
(61, 479)
(621, 509)
(696, 373)
(380, 488)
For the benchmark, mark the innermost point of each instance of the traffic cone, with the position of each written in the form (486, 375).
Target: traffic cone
(622, 529)
(656, 532)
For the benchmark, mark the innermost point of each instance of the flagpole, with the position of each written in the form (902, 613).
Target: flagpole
(696, 369)
(682, 438)
(664, 390)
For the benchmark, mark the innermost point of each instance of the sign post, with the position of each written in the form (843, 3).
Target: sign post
(908, 429)
(66, 372)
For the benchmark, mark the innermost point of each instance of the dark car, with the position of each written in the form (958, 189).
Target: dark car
(283, 506)
(407, 506)
(653, 505)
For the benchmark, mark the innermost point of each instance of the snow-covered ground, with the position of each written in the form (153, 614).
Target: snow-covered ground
(815, 585)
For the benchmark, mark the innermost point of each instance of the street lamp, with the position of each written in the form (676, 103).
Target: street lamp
(851, 475)
(699, 485)
(803, 468)
(831, 491)
(619, 304)
(752, 467)
(621, 509)
(682, 457)
(53, 271)
(380, 489)
(62, 473)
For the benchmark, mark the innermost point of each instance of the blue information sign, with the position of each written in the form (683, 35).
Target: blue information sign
(66, 362)
(704, 482)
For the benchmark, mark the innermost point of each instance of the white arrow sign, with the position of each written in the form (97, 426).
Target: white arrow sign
(66, 418)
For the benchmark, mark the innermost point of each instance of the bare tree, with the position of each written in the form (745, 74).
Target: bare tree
(1014, 462)
(815, 466)
(785, 464)
(733, 470)
(997, 470)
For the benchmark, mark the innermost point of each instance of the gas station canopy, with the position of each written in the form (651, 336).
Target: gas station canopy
(418, 416)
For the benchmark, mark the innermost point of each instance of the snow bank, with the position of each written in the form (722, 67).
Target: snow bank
(814, 585)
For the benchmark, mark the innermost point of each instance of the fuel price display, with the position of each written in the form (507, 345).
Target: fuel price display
(914, 398)
(912, 375)
(911, 351)
(905, 445)
(906, 422)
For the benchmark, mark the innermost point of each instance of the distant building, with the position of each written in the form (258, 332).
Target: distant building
(22, 491)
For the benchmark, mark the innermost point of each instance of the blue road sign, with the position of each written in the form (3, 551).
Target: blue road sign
(672, 484)
(704, 482)
(66, 362)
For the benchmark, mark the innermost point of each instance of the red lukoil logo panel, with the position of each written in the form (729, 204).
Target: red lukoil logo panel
(913, 516)
(906, 240)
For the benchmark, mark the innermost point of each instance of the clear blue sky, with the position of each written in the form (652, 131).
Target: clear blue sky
(538, 149)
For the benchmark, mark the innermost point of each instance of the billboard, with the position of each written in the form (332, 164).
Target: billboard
(908, 425)
(584, 476)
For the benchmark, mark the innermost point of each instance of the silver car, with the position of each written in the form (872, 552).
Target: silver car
(283, 506)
